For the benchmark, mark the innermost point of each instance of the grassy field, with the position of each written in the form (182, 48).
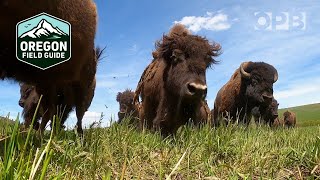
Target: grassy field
(122, 152)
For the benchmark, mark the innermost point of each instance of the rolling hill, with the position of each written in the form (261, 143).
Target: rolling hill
(307, 115)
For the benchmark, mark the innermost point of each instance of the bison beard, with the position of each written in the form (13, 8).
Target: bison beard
(250, 86)
(173, 87)
(81, 14)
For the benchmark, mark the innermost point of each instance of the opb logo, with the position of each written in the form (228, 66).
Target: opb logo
(280, 21)
(43, 41)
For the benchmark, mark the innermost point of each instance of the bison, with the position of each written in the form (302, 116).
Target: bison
(250, 86)
(289, 119)
(28, 101)
(266, 114)
(81, 14)
(127, 106)
(173, 86)
(66, 98)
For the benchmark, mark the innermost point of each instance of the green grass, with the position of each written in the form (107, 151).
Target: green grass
(308, 115)
(122, 152)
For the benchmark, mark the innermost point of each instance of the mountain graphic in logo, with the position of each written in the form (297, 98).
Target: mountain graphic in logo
(44, 30)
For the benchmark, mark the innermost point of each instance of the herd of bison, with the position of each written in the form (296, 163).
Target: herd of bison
(170, 93)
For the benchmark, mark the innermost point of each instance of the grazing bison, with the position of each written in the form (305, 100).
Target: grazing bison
(82, 16)
(28, 101)
(173, 86)
(66, 98)
(289, 119)
(127, 107)
(250, 86)
(266, 114)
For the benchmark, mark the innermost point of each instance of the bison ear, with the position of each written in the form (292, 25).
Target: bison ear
(119, 96)
(243, 67)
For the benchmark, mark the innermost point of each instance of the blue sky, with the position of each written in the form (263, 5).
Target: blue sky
(129, 29)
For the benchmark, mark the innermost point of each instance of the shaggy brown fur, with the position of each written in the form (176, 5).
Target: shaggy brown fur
(127, 106)
(83, 17)
(267, 114)
(180, 59)
(66, 98)
(289, 119)
(252, 87)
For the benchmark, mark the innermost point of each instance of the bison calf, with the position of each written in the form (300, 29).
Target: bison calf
(173, 86)
(289, 119)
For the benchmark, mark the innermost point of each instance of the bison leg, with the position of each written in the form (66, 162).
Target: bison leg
(48, 104)
(80, 107)
(46, 118)
(147, 114)
(80, 113)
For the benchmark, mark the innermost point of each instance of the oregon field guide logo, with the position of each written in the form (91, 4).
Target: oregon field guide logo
(43, 41)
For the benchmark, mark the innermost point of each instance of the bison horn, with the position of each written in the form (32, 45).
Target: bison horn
(275, 76)
(243, 72)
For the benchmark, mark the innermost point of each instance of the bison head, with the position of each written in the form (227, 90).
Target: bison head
(28, 95)
(259, 78)
(187, 57)
(125, 100)
(287, 116)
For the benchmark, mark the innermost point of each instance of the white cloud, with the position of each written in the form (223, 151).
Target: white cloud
(217, 22)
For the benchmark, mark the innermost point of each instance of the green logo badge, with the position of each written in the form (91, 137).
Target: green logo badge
(43, 41)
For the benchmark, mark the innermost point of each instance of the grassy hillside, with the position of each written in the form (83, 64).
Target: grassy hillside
(308, 115)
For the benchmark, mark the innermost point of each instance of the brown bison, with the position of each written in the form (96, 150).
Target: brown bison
(81, 14)
(289, 119)
(127, 107)
(268, 114)
(173, 86)
(250, 86)
(28, 101)
(65, 98)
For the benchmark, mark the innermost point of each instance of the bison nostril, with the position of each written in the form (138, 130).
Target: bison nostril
(191, 89)
(267, 97)
(197, 89)
(21, 103)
